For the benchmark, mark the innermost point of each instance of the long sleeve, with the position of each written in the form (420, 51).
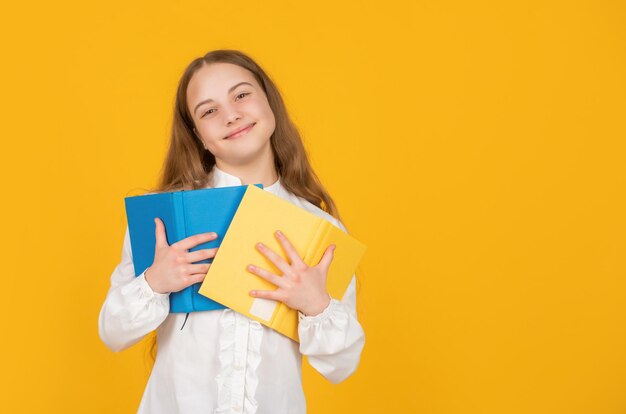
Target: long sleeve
(334, 339)
(131, 308)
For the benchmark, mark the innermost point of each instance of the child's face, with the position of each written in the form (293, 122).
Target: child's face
(237, 101)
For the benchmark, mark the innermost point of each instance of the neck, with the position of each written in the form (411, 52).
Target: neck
(261, 170)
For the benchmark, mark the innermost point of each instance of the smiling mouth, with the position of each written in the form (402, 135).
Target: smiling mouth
(242, 132)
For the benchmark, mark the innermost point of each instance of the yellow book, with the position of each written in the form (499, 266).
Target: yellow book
(258, 217)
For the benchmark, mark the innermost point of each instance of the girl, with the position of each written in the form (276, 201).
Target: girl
(231, 128)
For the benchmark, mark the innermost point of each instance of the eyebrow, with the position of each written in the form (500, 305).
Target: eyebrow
(232, 88)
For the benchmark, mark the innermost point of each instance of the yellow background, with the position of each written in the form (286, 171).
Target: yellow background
(476, 147)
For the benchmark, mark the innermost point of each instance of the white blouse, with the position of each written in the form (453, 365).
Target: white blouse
(221, 361)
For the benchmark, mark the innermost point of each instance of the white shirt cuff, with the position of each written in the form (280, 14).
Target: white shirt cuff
(325, 314)
(146, 290)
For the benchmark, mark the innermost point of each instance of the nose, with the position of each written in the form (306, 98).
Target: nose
(232, 114)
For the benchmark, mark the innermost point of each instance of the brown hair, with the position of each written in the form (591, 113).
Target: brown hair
(188, 164)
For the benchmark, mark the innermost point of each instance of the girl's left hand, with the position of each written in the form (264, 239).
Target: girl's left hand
(300, 287)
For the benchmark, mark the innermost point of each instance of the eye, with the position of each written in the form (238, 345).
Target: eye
(243, 95)
(210, 111)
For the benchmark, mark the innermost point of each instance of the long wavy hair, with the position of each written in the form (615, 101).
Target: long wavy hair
(188, 164)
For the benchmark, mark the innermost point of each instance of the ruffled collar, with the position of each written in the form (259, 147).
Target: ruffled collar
(223, 179)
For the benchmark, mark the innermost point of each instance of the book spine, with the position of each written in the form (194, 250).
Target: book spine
(312, 256)
(179, 214)
(183, 297)
(285, 319)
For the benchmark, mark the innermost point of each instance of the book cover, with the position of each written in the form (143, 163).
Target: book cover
(259, 215)
(184, 213)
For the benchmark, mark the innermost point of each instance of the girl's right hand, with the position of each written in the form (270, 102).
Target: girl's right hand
(173, 268)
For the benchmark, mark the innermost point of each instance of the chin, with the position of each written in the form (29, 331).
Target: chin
(246, 154)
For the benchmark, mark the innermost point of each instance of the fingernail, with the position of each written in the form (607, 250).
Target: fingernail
(253, 292)
(250, 267)
(260, 245)
(279, 233)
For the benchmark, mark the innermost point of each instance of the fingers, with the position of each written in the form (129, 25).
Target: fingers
(198, 268)
(267, 294)
(193, 279)
(327, 258)
(278, 261)
(197, 274)
(291, 251)
(159, 232)
(199, 255)
(264, 274)
(191, 241)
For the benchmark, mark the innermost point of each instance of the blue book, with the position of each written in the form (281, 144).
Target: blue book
(184, 214)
